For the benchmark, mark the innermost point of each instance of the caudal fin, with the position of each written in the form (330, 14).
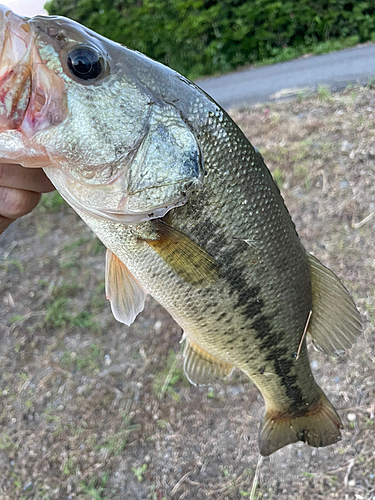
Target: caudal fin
(319, 426)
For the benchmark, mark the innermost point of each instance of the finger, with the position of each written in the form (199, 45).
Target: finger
(15, 203)
(31, 179)
(4, 223)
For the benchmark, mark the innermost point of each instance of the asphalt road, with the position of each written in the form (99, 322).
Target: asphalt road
(285, 79)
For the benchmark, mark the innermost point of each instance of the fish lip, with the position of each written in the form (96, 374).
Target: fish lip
(32, 95)
(15, 68)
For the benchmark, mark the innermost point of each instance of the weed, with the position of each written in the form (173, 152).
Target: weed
(225, 472)
(303, 94)
(96, 247)
(68, 466)
(278, 176)
(210, 393)
(332, 480)
(162, 423)
(14, 319)
(139, 471)
(95, 487)
(65, 290)
(117, 441)
(50, 202)
(84, 320)
(172, 375)
(7, 443)
(309, 475)
(17, 481)
(57, 312)
(88, 362)
(324, 93)
(49, 417)
(75, 244)
(8, 264)
(68, 264)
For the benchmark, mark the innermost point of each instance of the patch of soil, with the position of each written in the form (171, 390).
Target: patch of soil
(92, 409)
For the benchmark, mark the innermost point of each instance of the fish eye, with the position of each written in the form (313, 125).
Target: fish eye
(85, 63)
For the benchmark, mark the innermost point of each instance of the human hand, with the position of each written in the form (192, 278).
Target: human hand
(20, 191)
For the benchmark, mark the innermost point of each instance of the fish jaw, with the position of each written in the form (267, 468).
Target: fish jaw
(32, 96)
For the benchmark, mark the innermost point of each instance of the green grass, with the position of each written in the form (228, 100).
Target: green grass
(10, 265)
(139, 471)
(58, 314)
(94, 488)
(89, 361)
(278, 176)
(170, 378)
(51, 202)
(324, 93)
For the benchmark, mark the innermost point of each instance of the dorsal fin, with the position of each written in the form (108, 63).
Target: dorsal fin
(123, 290)
(335, 322)
(187, 259)
(201, 368)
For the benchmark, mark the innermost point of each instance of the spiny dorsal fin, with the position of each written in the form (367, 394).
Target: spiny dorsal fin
(123, 290)
(335, 322)
(187, 259)
(201, 368)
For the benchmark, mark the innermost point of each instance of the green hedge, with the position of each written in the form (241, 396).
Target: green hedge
(201, 37)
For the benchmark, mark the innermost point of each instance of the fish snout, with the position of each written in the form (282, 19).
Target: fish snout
(15, 68)
(32, 94)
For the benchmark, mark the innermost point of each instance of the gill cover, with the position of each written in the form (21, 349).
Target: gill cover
(159, 174)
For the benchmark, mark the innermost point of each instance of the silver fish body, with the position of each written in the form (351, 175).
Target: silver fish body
(188, 211)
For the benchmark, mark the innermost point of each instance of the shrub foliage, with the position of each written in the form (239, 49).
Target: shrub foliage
(201, 37)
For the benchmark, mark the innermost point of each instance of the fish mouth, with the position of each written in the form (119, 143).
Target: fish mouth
(32, 96)
(15, 69)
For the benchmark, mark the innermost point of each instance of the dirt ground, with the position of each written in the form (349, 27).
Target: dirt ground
(92, 409)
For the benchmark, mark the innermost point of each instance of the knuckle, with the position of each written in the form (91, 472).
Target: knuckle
(16, 202)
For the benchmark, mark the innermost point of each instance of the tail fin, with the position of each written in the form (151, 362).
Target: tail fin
(319, 426)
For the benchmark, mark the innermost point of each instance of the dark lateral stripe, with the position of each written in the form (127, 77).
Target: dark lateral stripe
(282, 363)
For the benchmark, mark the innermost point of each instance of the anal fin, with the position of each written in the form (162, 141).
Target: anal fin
(318, 427)
(126, 295)
(201, 368)
(335, 322)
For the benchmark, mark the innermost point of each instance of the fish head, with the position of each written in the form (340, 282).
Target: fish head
(93, 114)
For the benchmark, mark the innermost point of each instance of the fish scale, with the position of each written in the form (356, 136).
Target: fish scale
(189, 213)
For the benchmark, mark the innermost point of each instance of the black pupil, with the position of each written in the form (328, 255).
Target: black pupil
(84, 63)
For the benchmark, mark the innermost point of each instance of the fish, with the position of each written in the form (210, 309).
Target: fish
(187, 209)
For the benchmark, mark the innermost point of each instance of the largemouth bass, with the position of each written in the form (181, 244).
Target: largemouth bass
(187, 209)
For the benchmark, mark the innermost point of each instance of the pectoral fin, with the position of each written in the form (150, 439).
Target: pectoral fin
(201, 368)
(187, 259)
(335, 322)
(124, 292)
